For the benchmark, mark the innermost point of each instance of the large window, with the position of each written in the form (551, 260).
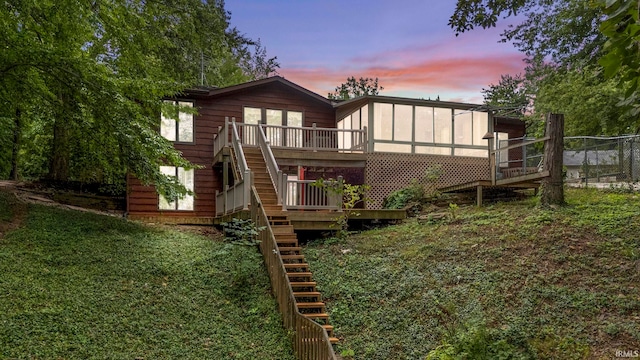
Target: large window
(422, 129)
(355, 121)
(186, 178)
(276, 118)
(177, 126)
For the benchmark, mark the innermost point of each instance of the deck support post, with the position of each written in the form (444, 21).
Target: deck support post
(479, 195)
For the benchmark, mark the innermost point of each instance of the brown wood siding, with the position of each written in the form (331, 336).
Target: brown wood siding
(212, 110)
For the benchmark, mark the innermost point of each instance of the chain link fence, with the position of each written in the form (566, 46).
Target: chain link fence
(590, 159)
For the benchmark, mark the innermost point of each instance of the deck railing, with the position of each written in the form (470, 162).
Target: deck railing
(276, 175)
(301, 138)
(236, 197)
(310, 340)
(517, 157)
(303, 194)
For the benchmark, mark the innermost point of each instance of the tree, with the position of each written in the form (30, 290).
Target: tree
(512, 96)
(621, 60)
(564, 32)
(353, 88)
(562, 44)
(89, 77)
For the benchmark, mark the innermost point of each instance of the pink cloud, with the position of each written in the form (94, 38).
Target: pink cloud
(461, 74)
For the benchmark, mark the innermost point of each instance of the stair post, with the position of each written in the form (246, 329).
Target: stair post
(314, 138)
(246, 189)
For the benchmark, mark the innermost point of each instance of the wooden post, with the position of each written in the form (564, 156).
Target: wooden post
(552, 186)
(479, 195)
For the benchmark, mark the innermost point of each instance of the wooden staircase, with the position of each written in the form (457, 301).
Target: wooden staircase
(308, 299)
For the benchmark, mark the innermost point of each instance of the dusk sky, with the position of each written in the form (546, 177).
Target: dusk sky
(407, 44)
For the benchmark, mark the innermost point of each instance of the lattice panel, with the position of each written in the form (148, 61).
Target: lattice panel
(386, 172)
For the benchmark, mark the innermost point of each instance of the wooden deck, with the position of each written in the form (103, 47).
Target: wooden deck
(528, 181)
(323, 220)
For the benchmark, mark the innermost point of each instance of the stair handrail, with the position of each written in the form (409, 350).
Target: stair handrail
(221, 139)
(310, 339)
(276, 175)
(237, 148)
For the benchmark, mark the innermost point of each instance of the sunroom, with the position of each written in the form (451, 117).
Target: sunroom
(411, 126)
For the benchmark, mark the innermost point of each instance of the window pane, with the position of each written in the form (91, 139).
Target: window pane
(294, 136)
(442, 125)
(403, 118)
(294, 118)
(433, 150)
(186, 178)
(355, 120)
(395, 148)
(480, 127)
(185, 125)
(274, 135)
(252, 116)
(364, 116)
(167, 126)
(424, 124)
(163, 204)
(463, 127)
(382, 121)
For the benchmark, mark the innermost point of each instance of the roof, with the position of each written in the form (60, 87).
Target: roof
(256, 83)
(409, 101)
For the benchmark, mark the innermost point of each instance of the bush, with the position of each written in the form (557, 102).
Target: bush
(416, 193)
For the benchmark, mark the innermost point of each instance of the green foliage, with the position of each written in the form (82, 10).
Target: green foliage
(89, 79)
(564, 45)
(476, 342)
(511, 280)
(241, 232)
(510, 97)
(350, 196)
(417, 192)
(353, 88)
(83, 286)
(620, 61)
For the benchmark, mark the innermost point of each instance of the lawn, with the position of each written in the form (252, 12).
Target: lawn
(507, 281)
(75, 285)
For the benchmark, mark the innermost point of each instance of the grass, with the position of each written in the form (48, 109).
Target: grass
(82, 286)
(510, 281)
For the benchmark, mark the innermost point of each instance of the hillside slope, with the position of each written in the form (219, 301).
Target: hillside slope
(506, 281)
(77, 285)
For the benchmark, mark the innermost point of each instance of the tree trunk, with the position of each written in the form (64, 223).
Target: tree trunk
(61, 151)
(59, 166)
(17, 132)
(552, 186)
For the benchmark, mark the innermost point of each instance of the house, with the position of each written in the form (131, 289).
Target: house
(601, 165)
(382, 141)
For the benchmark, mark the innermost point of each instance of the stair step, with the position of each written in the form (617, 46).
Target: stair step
(334, 340)
(303, 284)
(282, 229)
(289, 248)
(292, 242)
(310, 305)
(296, 266)
(300, 275)
(324, 316)
(307, 294)
(292, 257)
